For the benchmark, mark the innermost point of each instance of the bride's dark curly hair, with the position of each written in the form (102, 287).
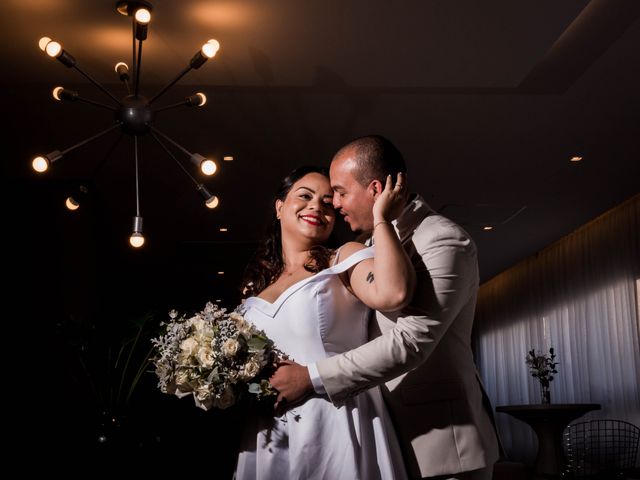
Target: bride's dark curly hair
(267, 264)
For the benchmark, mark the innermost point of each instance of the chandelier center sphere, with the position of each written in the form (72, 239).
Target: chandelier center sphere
(135, 115)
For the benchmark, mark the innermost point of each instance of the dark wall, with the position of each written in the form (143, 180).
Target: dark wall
(76, 292)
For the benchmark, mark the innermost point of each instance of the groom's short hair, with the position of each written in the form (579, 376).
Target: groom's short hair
(376, 157)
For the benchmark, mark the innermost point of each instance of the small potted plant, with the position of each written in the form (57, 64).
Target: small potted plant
(542, 366)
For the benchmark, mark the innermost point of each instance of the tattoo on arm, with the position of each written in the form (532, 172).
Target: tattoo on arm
(370, 277)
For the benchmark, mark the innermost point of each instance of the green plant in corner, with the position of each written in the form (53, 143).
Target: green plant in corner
(131, 362)
(110, 359)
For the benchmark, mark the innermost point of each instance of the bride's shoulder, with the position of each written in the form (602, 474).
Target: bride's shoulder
(348, 249)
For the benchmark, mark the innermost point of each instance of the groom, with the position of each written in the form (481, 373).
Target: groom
(421, 357)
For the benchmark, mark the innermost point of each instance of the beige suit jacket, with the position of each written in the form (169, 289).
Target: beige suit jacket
(422, 356)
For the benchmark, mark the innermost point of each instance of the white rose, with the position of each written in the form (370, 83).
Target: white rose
(251, 369)
(202, 327)
(230, 347)
(188, 346)
(205, 357)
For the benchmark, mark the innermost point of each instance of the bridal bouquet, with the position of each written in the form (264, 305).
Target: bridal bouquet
(215, 356)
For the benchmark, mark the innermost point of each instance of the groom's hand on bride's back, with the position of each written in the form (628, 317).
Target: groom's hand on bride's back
(292, 382)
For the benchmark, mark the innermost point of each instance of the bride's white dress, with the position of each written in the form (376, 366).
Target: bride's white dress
(315, 318)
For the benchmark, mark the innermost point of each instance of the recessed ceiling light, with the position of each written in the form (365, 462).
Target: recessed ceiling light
(575, 159)
(487, 227)
(220, 273)
(228, 158)
(223, 229)
(219, 300)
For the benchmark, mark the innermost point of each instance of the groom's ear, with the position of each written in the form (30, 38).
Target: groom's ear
(279, 204)
(375, 188)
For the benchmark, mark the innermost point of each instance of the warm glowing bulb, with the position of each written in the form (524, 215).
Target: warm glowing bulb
(208, 167)
(43, 42)
(210, 48)
(53, 49)
(575, 159)
(228, 158)
(220, 273)
(212, 202)
(223, 229)
(136, 240)
(203, 97)
(487, 228)
(72, 204)
(56, 93)
(124, 65)
(143, 16)
(40, 164)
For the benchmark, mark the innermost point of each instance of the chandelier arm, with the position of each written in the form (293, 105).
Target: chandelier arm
(97, 104)
(133, 46)
(164, 147)
(126, 84)
(138, 68)
(167, 107)
(186, 70)
(89, 139)
(108, 154)
(88, 77)
(170, 140)
(135, 147)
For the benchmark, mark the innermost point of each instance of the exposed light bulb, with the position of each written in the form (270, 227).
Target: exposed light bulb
(228, 158)
(53, 49)
(143, 16)
(43, 42)
(212, 202)
(40, 164)
(121, 67)
(203, 97)
(56, 93)
(210, 48)
(208, 167)
(72, 204)
(136, 240)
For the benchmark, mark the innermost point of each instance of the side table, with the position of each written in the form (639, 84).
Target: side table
(548, 421)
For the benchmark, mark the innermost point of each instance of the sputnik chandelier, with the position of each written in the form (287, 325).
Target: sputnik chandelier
(134, 113)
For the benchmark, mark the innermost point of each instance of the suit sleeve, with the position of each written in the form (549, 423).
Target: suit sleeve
(447, 278)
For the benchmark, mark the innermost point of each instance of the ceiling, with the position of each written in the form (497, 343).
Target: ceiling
(487, 100)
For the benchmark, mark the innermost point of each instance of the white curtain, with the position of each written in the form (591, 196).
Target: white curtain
(580, 296)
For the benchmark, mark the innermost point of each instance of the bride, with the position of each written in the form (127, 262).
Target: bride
(314, 302)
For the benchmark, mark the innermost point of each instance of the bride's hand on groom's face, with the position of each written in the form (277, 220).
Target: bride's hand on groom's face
(391, 201)
(292, 382)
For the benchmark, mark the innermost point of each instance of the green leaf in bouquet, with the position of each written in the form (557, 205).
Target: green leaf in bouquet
(257, 343)
(255, 388)
(214, 376)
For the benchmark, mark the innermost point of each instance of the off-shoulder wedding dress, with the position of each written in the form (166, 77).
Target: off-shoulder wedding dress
(315, 318)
